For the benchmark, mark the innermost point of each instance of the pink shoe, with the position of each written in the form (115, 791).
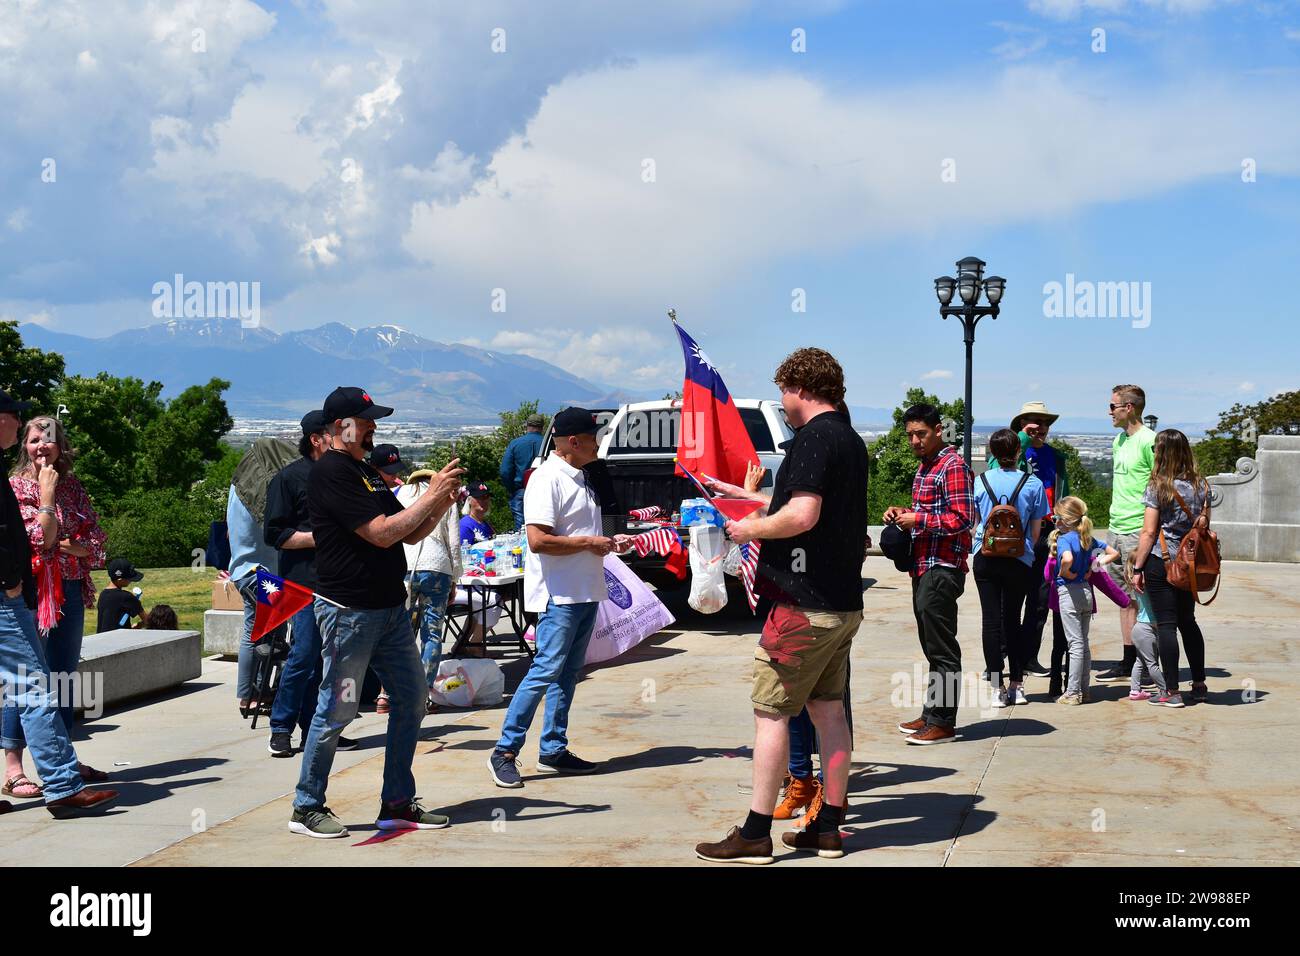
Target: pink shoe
(1139, 695)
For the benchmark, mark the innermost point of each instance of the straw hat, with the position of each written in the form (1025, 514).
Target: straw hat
(1035, 410)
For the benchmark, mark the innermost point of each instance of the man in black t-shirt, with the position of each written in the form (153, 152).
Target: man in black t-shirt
(359, 527)
(813, 531)
(116, 604)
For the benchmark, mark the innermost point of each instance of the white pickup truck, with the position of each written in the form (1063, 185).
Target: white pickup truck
(638, 443)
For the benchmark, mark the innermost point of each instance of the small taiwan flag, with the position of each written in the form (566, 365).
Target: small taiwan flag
(277, 601)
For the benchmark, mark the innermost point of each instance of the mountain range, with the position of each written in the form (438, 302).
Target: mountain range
(284, 375)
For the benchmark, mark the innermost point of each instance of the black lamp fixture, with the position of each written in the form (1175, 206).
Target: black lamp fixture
(1151, 421)
(968, 284)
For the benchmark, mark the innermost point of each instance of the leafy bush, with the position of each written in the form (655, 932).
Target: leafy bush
(157, 529)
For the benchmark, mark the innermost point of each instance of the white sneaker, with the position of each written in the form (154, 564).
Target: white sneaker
(1000, 697)
(1018, 697)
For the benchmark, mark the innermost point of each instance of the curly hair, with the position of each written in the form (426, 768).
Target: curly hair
(815, 370)
(55, 435)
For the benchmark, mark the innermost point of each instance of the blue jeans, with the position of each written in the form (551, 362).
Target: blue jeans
(295, 701)
(517, 508)
(435, 588)
(353, 639)
(247, 656)
(563, 632)
(62, 655)
(22, 671)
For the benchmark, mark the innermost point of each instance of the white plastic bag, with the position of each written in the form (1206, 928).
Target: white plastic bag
(731, 563)
(708, 589)
(629, 614)
(468, 682)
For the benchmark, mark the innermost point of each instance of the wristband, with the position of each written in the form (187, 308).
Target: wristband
(47, 510)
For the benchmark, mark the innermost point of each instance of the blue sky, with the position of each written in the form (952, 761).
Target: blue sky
(376, 161)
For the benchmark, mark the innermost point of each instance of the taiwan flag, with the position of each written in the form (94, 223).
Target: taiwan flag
(277, 601)
(712, 440)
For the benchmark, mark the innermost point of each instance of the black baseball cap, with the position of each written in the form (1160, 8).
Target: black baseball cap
(313, 423)
(897, 546)
(347, 401)
(574, 421)
(12, 405)
(120, 569)
(386, 458)
(477, 489)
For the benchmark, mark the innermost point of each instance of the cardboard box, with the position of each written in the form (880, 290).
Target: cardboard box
(225, 596)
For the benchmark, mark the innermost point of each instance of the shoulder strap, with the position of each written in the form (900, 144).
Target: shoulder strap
(987, 487)
(1019, 487)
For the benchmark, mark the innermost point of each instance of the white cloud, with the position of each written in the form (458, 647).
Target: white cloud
(1246, 387)
(1067, 9)
(614, 356)
(19, 219)
(86, 60)
(936, 374)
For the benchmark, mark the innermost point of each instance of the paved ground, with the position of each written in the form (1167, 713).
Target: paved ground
(1111, 783)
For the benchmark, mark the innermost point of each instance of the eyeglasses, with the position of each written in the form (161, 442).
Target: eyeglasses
(1113, 406)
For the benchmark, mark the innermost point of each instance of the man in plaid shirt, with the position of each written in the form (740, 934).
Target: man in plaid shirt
(940, 521)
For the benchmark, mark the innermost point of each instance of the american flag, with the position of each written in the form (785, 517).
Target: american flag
(748, 568)
(661, 541)
(646, 514)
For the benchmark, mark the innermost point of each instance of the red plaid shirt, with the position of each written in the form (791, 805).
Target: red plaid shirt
(943, 497)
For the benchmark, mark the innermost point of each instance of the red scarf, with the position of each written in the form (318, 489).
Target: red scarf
(49, 592)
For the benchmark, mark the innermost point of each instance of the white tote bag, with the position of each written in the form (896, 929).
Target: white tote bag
(629, 614)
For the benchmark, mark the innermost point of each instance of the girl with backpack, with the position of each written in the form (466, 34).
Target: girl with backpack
(1075, 551)
(1011, 505)
(1177, 499)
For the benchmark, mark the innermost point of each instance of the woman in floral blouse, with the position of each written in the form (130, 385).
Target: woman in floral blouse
(67, 543)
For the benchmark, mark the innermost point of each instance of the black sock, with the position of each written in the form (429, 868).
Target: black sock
(756, 826)
(1130, 657)
(828, 818)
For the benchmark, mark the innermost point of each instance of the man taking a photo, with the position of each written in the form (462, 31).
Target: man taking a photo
(359, 527)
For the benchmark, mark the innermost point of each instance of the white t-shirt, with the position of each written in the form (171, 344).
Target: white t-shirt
(557, 496)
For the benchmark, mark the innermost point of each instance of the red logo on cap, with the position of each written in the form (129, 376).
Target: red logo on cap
(392, 457)
(367, 398)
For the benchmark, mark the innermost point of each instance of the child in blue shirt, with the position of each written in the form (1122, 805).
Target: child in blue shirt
(1148, 658)
(1075, 549)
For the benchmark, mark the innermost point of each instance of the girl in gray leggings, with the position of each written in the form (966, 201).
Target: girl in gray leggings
(1074, 547)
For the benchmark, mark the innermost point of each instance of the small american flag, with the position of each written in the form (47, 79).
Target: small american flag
(748, 568)
(661, 541)
(646, 514)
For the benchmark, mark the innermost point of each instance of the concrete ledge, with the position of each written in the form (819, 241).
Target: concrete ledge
(221, 632)
(130, 663)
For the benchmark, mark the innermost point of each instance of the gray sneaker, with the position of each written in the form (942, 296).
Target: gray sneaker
(505, 770)
(321, 824)
(411, 816)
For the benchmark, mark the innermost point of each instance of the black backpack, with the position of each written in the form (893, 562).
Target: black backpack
(1004, 532)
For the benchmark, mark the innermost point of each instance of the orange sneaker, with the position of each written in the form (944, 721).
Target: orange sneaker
(800, 792)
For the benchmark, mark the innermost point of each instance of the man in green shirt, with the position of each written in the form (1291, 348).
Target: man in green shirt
(1132, 456)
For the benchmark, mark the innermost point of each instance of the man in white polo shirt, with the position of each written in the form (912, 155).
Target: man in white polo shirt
(564, 581)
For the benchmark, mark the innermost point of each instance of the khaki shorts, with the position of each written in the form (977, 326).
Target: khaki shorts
(1121, 569)
(803, 655)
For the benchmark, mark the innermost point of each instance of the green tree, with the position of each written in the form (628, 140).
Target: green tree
(157, 528)
(1084, 485)
(179, 444)
(1238, 428)
(512, 424)
(28, 374)
(106, 421)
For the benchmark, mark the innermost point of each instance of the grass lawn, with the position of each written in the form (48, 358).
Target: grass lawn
(188, 590)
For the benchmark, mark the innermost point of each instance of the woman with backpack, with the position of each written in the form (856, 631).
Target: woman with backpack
(1176, 499)
(1012, 505)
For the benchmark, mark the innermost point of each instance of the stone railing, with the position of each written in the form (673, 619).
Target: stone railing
(1257, 507)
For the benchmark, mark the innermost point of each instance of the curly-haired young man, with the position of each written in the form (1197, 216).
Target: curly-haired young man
(811, 563)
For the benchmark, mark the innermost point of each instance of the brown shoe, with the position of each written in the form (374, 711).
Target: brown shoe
(912, 726)
(801, 793)
(736, 849)
(81, 803)
(381, 704)
(933, 735)
(826, 845)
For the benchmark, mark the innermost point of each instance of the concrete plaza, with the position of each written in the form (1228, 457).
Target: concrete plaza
(1111, 783)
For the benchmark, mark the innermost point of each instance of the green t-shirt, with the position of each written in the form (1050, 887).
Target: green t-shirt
(1133, 456)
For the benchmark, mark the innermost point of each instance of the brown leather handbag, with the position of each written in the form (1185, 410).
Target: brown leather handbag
(1195, 566)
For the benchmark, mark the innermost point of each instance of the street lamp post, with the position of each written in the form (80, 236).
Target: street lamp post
(970, 280)
(1151, 421)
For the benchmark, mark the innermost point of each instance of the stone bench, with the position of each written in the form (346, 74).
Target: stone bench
(119, 665)
(221, 632)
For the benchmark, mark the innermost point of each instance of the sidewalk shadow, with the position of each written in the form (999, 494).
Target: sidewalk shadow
(1001, 727)
(935, 819)
(878, 776)
(504, 809)
(136, 791)
(669, 757)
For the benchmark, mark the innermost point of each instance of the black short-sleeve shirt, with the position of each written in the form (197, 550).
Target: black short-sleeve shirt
(116, 607)
(342, 495)
(821, 568)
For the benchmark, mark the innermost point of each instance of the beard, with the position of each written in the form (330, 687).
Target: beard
(368, 443)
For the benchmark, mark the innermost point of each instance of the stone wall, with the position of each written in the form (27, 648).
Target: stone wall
(1257, 508)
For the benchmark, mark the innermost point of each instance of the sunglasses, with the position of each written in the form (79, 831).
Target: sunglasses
(1113, 406)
